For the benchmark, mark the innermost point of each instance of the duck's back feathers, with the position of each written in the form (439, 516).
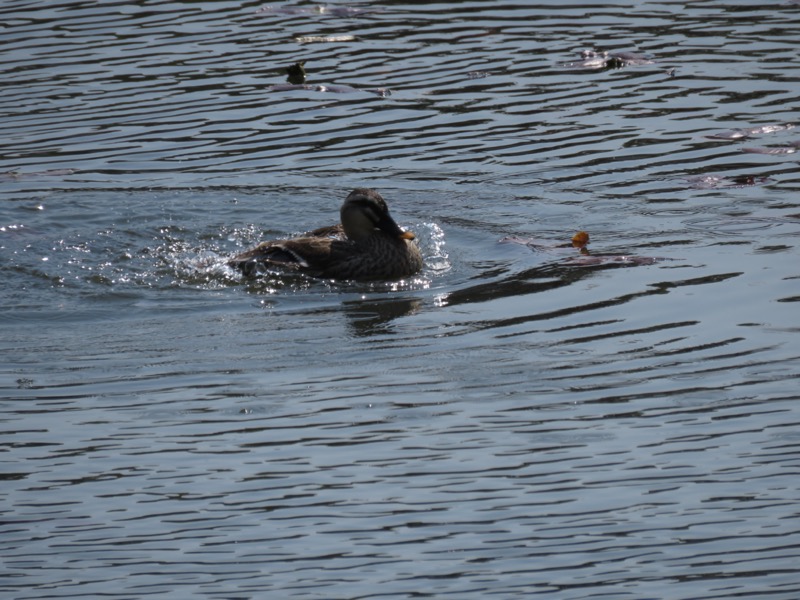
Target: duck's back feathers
(333, 258)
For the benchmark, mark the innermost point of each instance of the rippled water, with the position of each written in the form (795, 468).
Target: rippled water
(518, 420)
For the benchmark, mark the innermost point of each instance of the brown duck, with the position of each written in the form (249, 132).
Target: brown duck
(368, 245)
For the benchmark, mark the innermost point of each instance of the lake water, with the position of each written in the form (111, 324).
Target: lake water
(519, 420)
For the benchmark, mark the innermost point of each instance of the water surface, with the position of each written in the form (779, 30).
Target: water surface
(515, 421)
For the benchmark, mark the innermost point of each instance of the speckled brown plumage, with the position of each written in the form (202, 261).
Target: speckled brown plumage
(368, 245)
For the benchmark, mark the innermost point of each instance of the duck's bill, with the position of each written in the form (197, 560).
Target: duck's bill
(388, 225)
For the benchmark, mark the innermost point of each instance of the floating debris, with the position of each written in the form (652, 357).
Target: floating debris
(705, 182)
(790, 149)
(310, 39)
(580, 243)
(334, 89)
(334, 11)
(616, 259)
(18, 175)
(23, 383)
(595, 60)
(745, 132)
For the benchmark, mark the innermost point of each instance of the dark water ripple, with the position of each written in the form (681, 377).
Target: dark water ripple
(511, 423)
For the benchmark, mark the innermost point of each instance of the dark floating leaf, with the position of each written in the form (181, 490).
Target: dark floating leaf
(614, 62)
(296, 72)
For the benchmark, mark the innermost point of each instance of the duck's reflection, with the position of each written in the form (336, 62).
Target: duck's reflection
(374, 316)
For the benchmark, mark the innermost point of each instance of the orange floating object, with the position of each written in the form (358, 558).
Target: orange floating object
(580, 239)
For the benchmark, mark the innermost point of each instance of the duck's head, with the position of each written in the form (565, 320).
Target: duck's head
(364, 211)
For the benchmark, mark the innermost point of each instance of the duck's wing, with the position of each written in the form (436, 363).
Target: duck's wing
(315, 255)
(331, 231)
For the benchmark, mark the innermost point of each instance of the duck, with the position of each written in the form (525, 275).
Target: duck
(367, 245)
